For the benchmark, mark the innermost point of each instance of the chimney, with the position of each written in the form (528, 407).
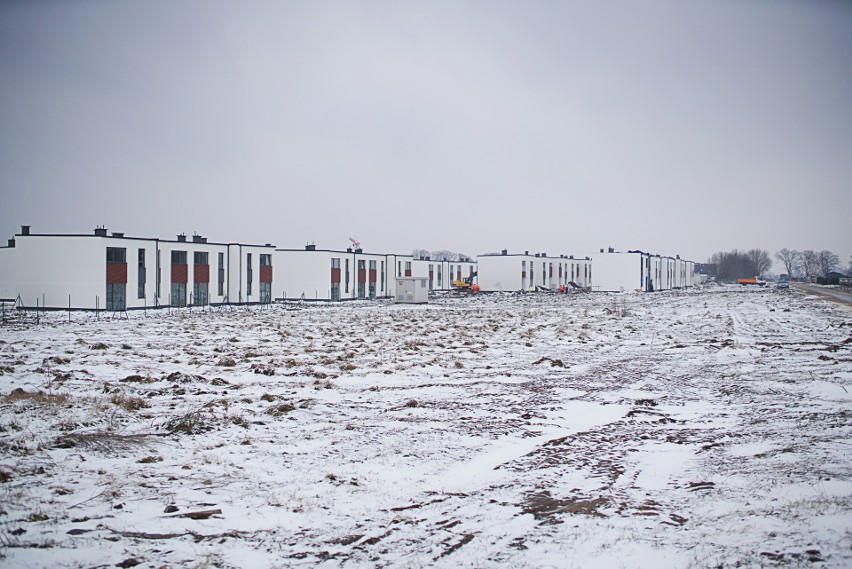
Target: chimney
(100, 231)
(204, 240)
(601, 250)
(359, 250)
(544, 254)
(311, 247)
(504, 252)
(25, 230)
(611, 250)
(349, 249)
(571, 257)
(526, 252)
(196, 238)
(117, 234)
(181, 238)
(11, 242)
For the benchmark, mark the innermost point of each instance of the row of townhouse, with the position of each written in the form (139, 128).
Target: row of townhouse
(111, 271)
(637, 270)
(528, 272)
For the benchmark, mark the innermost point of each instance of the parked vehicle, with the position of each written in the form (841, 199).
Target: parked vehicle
(751, 281)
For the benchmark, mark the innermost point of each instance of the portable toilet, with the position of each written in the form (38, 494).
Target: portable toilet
(412, 290)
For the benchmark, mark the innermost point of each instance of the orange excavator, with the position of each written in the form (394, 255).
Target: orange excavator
(466, 284)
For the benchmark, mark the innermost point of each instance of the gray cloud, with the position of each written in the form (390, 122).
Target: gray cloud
(677, 127)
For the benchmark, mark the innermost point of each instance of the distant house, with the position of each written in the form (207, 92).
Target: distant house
(831, 278)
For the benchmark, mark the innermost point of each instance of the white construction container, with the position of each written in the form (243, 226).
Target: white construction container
(412, 290)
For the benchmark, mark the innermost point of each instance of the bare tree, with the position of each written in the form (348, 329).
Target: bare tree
(420, 253)
(760, 259)
(444, 255)
(808, 263)
(789, 258)
(826, 262)
(732, 265)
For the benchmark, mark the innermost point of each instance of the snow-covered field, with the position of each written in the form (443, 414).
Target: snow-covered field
(680, 429)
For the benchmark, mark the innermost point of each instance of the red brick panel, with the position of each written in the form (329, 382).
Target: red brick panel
(266, 274)
(335, 276)
(179, 273)
(430, 274)
(408, 273)
(362, 275)
(372, 275)
(116, 273)
(201, 273)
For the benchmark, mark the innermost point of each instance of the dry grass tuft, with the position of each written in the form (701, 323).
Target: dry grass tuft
(37, 397)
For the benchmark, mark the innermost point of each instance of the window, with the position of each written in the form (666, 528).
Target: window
(440, 276)
(199, 293)
(335, 263)
(200, 258)
(116, 255)
(346, 278)
(335, 291)
(361, 264)
(140, 279)
(265, 292)
(178, 257)
(221, 275)
(266, 260)
(249, 274)
(383, 276)
(372, 265)
(178, 295)
(115, 296)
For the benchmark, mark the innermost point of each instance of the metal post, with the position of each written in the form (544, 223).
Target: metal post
(69, 308)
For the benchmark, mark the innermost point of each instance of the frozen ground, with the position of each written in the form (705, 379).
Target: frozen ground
(682, 429)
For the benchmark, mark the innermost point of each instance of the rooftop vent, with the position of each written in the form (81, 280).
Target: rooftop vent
(11, 242)
(25, 230)
(196, 238)
(117, 234)
(311, 247)
(349, 249)
(181, 238)
(504, 252)
(100, 231)
(611, 250)
(359, 250)
(526, 252)
(571, 257)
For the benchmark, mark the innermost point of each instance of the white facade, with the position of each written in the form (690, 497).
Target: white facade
(412, 290)
(441, 274)
(312, 274)
(526, 272)
(638, 271)
(113, 272)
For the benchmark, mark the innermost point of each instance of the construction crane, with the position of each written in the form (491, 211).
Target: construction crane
(356, 243)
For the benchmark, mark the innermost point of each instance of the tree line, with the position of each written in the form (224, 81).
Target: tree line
(808, 263)
(736, 264)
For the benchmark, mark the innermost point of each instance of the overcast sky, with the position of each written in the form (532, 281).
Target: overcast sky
(677, 127)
